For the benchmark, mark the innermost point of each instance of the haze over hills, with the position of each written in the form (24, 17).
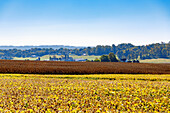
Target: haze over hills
(26, 47)
(40, 46)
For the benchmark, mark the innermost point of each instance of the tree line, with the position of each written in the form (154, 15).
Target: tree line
(124, 50)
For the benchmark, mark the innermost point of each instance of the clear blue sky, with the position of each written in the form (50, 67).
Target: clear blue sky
(84, 22)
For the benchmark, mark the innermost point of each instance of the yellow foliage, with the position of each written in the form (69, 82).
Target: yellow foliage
(50, 94)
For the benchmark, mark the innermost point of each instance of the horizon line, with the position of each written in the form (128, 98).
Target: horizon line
(84, 46)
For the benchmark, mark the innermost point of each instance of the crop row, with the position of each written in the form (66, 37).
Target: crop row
(145, 77)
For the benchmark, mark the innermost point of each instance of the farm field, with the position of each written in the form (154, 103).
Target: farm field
(46, 57)
(83, 93)
(92, 57)
(159, 60)
(27, 58)
(54, 67)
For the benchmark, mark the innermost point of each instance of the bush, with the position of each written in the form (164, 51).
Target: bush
(104, 58)
(97, 60)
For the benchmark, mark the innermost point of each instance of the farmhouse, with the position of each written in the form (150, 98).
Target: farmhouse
(125, 60)
(80, 60)
(54, 58)
(65, 58)
(33, 56)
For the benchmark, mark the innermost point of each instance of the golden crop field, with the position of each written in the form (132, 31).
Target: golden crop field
(84, 93)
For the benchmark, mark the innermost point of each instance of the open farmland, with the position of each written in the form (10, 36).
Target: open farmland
(159, 60)
(40, 93)
(54, 67)
(46, 57)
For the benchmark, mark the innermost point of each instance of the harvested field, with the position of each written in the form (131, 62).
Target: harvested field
(54, 67)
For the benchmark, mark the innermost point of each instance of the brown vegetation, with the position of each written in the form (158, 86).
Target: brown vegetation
(54, 67)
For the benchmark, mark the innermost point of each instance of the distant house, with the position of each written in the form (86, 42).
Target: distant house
(54, 58)
(33, 56)
(65, 58)
(80, 60)
(125, 60)
(46, 60)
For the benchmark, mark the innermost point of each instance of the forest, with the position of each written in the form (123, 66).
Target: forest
(124, 50)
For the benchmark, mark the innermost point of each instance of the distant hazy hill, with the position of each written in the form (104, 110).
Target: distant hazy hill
(41, 46)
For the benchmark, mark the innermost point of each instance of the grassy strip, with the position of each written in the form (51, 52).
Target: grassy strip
(143, 77)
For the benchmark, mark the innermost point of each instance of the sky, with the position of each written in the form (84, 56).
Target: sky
(84, 22)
